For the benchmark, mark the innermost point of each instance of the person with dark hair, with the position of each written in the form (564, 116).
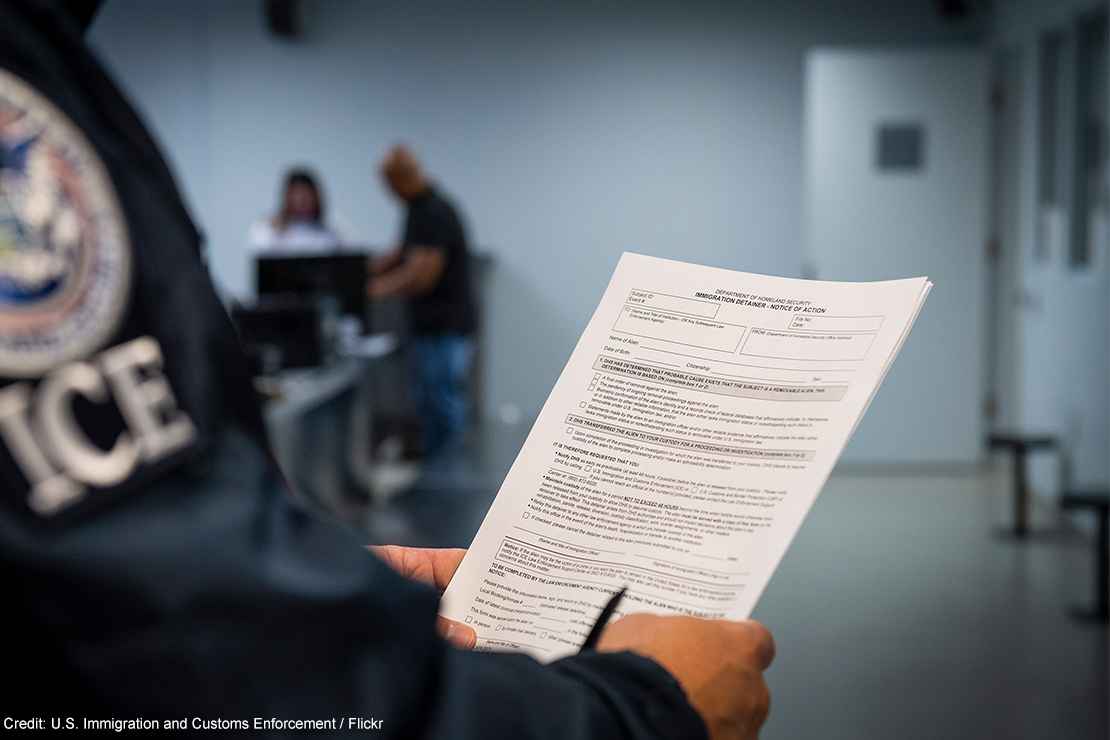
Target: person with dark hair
(299, 224)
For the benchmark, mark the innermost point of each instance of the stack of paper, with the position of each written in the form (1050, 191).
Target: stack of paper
(687, 437)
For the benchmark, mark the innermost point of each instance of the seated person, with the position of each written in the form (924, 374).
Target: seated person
(299, 225)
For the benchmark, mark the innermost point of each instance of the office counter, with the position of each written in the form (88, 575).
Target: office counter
(320, 420)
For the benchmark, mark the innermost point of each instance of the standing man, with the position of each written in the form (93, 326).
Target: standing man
(431, 269)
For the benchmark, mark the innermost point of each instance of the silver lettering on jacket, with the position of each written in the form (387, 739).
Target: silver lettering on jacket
(57, 457)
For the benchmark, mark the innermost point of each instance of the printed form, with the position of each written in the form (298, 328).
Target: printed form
(677, 455)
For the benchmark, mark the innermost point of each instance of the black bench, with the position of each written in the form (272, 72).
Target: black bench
(1098, 502)
(1020, 445)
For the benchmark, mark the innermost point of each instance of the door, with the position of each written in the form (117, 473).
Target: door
(896, 186)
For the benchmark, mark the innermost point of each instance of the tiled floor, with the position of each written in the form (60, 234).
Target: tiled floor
(898, 612)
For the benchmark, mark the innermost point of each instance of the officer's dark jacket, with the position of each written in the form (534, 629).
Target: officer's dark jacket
(194, 587)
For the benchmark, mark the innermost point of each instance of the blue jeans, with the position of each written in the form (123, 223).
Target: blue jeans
(441, 365)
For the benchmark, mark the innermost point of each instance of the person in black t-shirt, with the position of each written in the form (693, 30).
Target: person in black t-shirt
(431, 269)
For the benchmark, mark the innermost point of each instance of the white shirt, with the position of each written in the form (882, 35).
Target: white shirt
(301, 237)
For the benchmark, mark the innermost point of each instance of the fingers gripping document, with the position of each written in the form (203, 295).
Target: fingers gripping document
(679, 451)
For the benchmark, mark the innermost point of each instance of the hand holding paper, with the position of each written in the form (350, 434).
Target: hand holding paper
(678, 453)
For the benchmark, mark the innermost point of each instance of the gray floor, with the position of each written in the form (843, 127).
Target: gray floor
(898, 612)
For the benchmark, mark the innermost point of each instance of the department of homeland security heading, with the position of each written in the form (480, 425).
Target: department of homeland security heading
(798, 305)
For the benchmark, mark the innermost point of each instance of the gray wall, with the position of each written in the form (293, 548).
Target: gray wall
(568, 131)
(864, 223)
(1062, 336)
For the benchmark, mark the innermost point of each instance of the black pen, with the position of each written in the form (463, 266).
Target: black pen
(602, 620)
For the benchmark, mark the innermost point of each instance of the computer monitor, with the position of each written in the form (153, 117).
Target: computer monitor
(280, 332)
(342, 275)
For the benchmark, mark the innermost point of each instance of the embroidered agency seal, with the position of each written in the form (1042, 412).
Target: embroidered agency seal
(65, 253)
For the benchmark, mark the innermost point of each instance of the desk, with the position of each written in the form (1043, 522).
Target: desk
(319, 420)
